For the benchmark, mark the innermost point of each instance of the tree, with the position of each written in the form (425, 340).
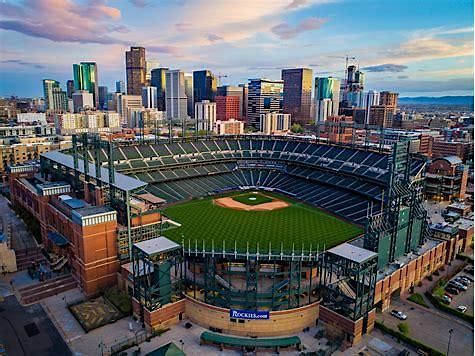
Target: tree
(296, 128)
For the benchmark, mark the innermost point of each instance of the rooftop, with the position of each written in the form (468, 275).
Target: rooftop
(157, 245)
(122, 181)
(92, 210)
(352, 252)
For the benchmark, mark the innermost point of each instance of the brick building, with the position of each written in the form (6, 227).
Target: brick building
(228, 107)
(446, 178)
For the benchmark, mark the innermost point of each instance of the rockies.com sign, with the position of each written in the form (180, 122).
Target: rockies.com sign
(248, 314)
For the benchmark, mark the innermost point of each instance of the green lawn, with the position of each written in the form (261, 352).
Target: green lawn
(297, 224)
(252, 198)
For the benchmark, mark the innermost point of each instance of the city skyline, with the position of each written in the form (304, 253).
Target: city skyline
(407, 52)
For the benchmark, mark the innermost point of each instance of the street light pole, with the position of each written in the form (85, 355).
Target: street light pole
(450, 338)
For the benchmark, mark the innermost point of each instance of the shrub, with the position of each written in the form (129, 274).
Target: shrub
(403, 327)
(429, 277)
(119, 299)
(418, 299)
(419, 284)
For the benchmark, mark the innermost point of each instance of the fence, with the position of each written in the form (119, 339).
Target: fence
(140, 337)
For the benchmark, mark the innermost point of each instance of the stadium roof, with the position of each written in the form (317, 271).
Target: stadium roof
(157, 245)
(122, 181)
(352, 253)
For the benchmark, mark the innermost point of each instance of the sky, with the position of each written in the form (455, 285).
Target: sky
(414, 47)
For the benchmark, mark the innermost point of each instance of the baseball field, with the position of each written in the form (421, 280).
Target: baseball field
(296, 224)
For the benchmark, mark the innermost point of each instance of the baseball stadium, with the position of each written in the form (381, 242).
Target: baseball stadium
(289, 230)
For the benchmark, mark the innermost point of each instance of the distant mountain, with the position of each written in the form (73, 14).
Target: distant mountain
(441, 100)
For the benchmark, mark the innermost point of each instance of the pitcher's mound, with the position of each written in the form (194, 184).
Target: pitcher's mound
(230, 203)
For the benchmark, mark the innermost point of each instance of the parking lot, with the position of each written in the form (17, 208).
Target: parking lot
(464, 298)
(432, 327)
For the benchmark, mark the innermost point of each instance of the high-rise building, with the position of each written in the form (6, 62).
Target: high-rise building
(274, 123)
(338, 129)
(228, 107)
(149, 66)
(120, 87)
(298, 94)
(264, 96)
(70, 88)
(352, 95)
(103, 92)
(135, 68)
(240, 92)
(158, 80)
(129, 104)
(205, 115)
(85, 78)
(82, 100)
(381, 115)
(371, 98)
(389, 99)
(327, 98)
(149, 97)
(48, 86)
(190, 106)
(204, 86)
(176, 100)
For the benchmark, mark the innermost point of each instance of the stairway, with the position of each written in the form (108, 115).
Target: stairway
(33, 293)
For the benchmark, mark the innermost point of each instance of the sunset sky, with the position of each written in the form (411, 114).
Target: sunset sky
(416, 47)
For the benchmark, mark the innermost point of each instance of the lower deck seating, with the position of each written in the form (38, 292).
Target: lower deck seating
(345, 203)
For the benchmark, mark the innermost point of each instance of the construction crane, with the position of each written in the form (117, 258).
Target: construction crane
(219, 76)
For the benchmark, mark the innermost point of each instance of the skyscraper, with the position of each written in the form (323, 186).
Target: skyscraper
(120, 87)
(176, 100)
(82, 100)
(205, 115)
(298, 94)
(48, 85)
(135, 68)
(158, 80)
(149, 66)
(327, 98)
(204, 86)
(240, 92)
(190, 106)
(103, 91)
(389, 99)
(70, 88)
(149, 97)
(264, 96)
(354, 87)
(371, 98)
(85, 78)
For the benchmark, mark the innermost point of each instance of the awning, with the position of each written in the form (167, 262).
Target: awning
(58, 239)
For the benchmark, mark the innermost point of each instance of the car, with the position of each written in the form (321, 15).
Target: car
(449, 295)
(446, 299)
(452, 290)
(462, 308)
(468, 278)
(398, 314)
(457, 285)
(461, 281)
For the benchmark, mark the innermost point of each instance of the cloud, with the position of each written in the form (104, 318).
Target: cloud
(286, 31)
(23, 63)
(402, 76)
(295, 4)
(393, 68)
(64, 20)
(213, 38)
(139, 3)
(166, 49)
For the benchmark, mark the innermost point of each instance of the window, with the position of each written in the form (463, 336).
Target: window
(267, 102)
(233, 320)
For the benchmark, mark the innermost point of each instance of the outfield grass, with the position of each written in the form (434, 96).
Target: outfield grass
(297, 224)
(252, 198)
